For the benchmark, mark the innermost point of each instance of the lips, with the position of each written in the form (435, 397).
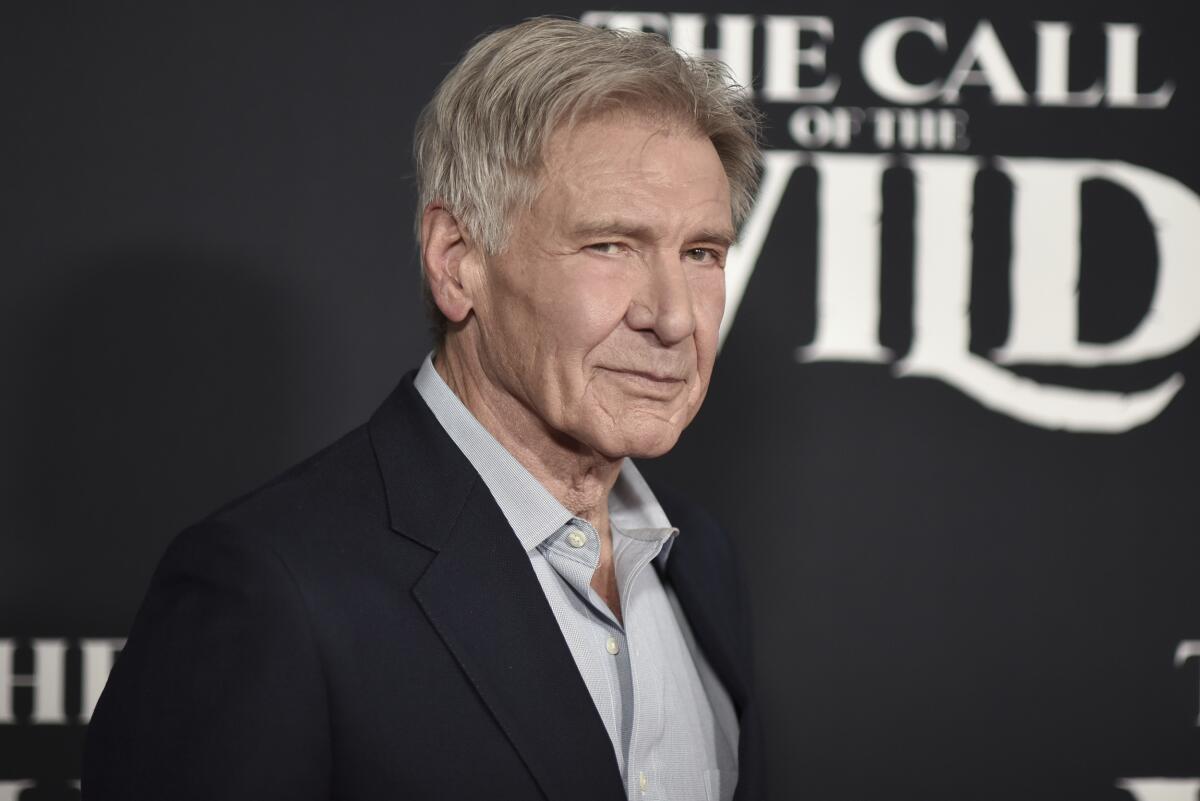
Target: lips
(649, 383)
(666, 376)
(662, 378)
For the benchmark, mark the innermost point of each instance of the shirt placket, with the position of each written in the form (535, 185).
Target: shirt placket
(574, 552)
(632, 552)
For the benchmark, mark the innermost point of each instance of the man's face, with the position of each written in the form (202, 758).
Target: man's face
(601, 316)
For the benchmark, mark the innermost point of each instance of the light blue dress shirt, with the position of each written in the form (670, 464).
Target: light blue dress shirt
(672, 725)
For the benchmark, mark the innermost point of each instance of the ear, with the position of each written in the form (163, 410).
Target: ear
(447, 254)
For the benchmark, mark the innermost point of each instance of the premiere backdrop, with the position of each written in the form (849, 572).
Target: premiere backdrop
(953, 427)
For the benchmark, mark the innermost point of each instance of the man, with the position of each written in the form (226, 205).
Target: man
(476, 595)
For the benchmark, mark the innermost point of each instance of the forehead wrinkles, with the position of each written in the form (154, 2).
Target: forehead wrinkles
(582, 149)
(587, 176)
(575, 144)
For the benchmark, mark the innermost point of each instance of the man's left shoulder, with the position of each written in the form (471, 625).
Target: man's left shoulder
(703, 555)
(694, 522)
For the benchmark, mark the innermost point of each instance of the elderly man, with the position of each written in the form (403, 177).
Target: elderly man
(476, 595)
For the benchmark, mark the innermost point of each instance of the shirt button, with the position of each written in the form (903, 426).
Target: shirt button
(641, 781)
(576, 539)
(613, 646)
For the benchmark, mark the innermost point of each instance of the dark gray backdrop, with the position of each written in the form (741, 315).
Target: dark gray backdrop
(208, 273)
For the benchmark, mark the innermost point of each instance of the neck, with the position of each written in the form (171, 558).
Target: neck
(579, 477)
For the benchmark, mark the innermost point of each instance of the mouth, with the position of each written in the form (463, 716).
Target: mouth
(652, 384)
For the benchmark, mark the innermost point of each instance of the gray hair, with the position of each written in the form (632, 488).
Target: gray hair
(480, 142)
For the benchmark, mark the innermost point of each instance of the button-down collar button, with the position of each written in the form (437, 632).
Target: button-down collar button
(576, 539)
(613, 646)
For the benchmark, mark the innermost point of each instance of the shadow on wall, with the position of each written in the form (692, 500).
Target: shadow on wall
(161, 386)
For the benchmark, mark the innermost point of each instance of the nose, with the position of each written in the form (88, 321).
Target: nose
(662, 303)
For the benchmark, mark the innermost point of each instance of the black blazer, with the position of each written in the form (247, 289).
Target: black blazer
(368, 627)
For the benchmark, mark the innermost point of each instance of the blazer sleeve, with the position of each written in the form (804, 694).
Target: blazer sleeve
(219, 692)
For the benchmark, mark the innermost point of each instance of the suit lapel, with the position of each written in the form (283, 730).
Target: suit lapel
(482, 597)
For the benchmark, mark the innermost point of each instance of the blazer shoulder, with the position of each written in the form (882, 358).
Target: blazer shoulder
(336, 490)
(325, 520)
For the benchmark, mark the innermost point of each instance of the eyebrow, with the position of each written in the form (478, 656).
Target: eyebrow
(632, 230)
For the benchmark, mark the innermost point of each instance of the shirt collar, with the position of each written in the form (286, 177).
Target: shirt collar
(532, 512)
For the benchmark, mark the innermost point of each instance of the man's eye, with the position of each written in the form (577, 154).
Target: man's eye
(702, 255)
(606, 248)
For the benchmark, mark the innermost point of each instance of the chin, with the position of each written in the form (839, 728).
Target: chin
(642, 442)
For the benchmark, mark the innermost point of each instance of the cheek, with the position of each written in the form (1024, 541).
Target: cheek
(587, 309)
(559, 307)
